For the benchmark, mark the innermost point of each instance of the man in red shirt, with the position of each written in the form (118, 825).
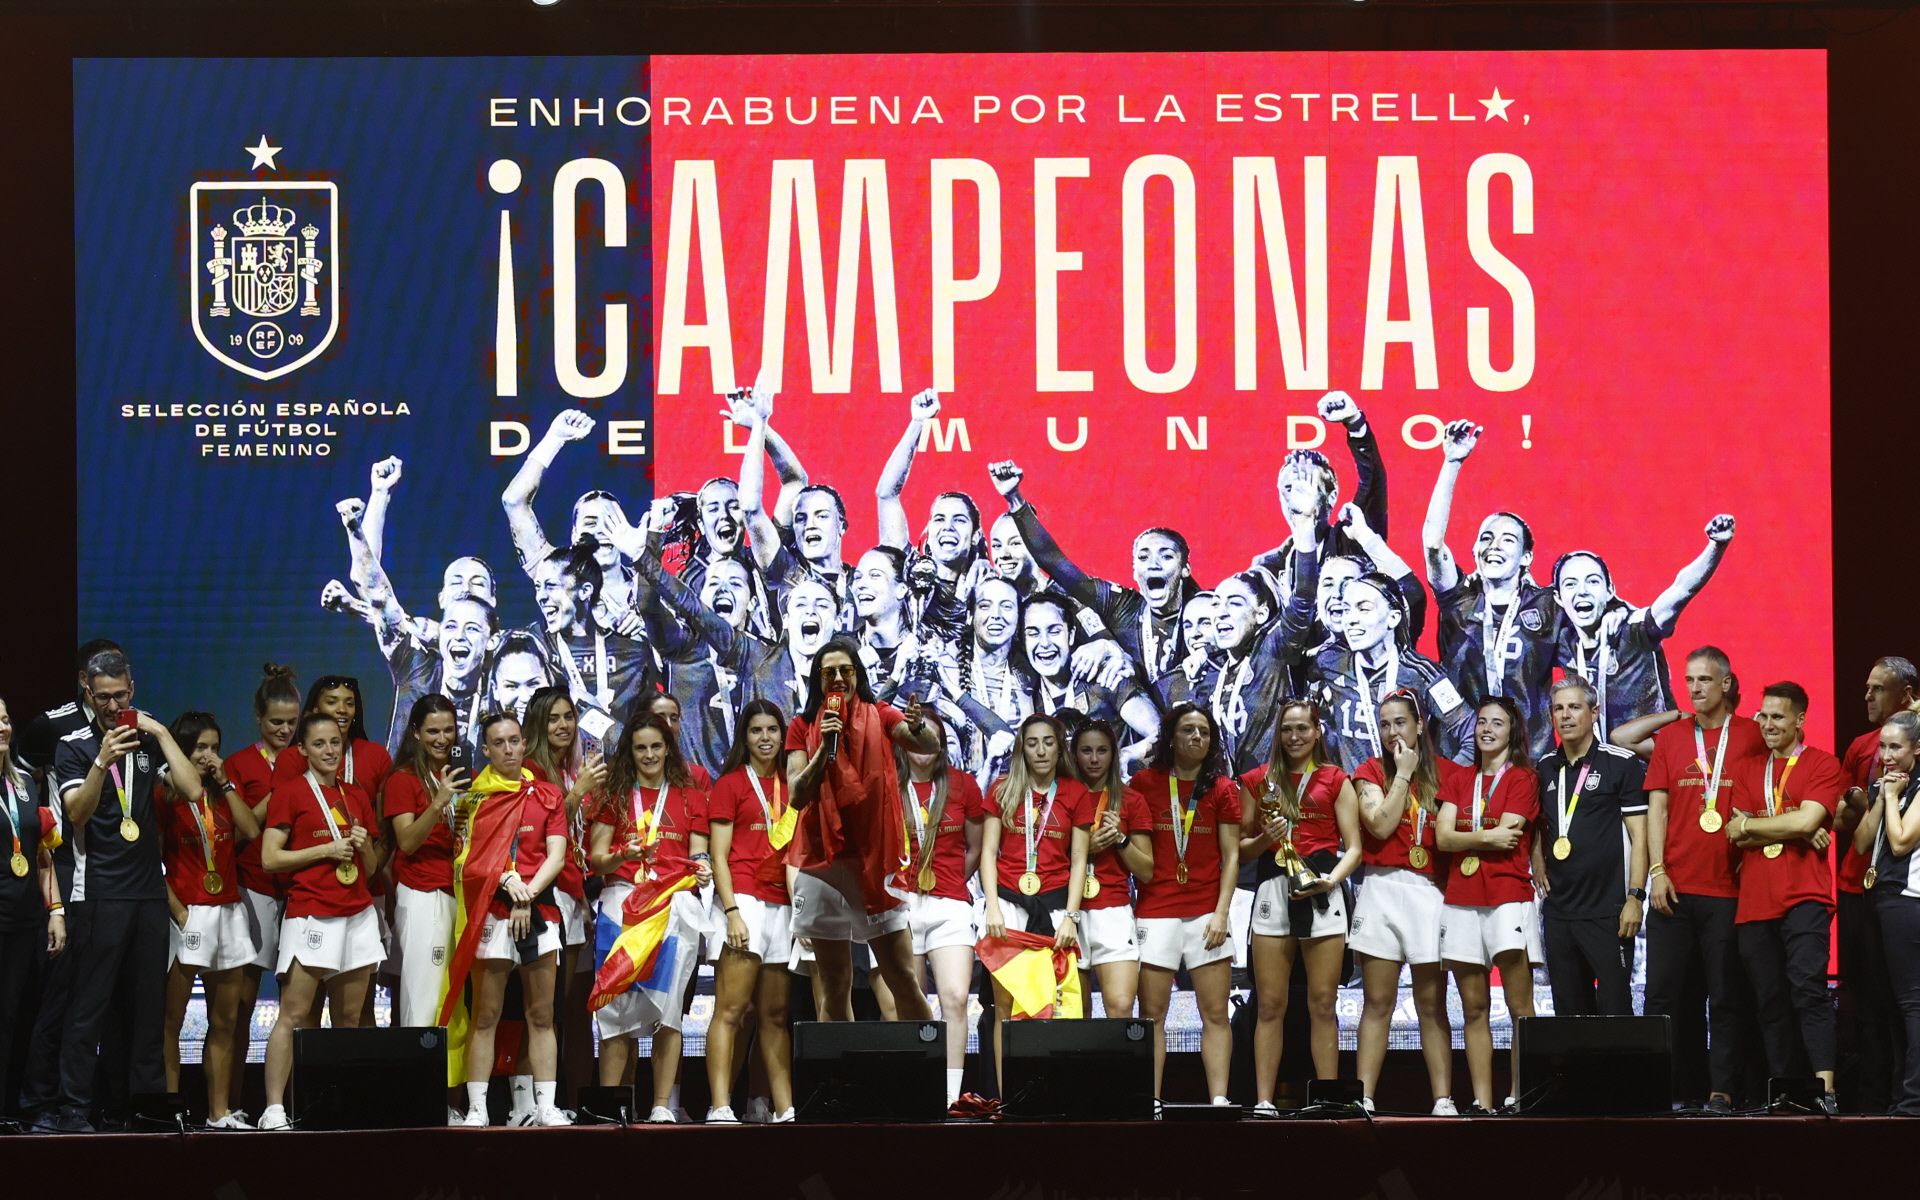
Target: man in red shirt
(1867, 1034)
(1785, 802)
(1691, 781)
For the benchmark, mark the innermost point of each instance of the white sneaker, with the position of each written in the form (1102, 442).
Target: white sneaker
(455, 1118)
(233, 1120)
(784, 1117)
(759, 1111)
(274, 1118)
(722, 1115)
(1366, 1102)
(1443, 1107)
(661, 1115)
(476, 1118)
(1265, 1109)
(551, 1117)
(520, 1118)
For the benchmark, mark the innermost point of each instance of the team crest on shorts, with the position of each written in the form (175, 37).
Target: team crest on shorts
(191, 941)
(1266, 909)
(439, 956)
(264, 259)
(315, 939)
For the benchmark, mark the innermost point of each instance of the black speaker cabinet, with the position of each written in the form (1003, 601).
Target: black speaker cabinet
(1081, 1070)
(869, 1071)
(369, 1078)
(1594, 1066)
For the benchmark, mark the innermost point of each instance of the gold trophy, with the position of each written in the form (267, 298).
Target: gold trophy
(1300, 876)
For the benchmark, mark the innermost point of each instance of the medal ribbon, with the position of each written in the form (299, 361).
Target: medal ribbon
(203, 821)
(1496, 650)
(648, 823)
(1778, 796)
(1370, 695)
(1416, 814)
(13, 825)
(1480, 802)
(120, 790)
(1182, 824)
(1719, 759)
(326, 810)
(1880, 834)
(927, 820)
(1033, 833)
(1603, 652)
(1568, 805)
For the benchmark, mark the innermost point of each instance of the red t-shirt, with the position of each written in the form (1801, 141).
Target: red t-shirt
(1053, 853)
(1504, 877)
(1771, 886)
(1316, 830)
(682, 814)
(964, 804)
(573, 876)
(249, 770)
(1394, 850)
(1165, 895)
(314, 890)
(1861, 761)
(734, 800)
(1700, 863)
(181, 850)
(1135, 817)
(430, 868)
(543, 814)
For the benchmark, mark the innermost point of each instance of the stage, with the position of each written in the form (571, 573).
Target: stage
(1513, 1158)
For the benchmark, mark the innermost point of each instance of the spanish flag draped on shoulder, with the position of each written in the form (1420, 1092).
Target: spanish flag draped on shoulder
(492, 819)
(652, 952)
(1042, 980)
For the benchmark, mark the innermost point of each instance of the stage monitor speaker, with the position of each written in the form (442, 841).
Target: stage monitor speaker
(370, 1078)
(845, 1071)
(1078, 1070)
(1594, 1066)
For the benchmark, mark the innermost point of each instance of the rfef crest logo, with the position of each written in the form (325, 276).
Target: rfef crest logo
(265, 264)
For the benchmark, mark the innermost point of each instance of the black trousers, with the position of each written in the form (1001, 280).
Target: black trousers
(1900, 930)
(1870, 1034)
(120, 952)
(40, 1091)
(1787, 962)
(19, 952)
(1589, 967)
(1700, 932)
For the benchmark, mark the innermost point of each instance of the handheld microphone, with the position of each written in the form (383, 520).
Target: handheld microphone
(835, 702)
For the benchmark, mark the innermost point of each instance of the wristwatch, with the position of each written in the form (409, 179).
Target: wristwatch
(1639, 894)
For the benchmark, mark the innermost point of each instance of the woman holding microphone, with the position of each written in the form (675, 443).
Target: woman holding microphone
(418, 798)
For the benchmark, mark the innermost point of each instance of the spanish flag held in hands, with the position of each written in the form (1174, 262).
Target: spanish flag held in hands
(646, 921)
(1043, 981)
(493, 817)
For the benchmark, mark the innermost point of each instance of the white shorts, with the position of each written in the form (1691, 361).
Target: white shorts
(830, 905)
(497, 944)
(263, 926)
(1477, 935)
(1016, 919)
(938, 922)
(422, 939)
(1271, 913)
(573, 919)
(1239, 917)
(216, 937)
(769, 928)
(1106, 936)
(1397, 916)
(1174, 942)
(327, 945)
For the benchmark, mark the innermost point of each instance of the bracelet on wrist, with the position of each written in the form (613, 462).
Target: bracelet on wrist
(732, 908)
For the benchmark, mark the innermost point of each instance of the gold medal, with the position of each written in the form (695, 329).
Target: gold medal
(1872, 874)
(346, 872)
(1180, 873)
(19, 864)
(1417, 858)
(1030, 884)
(926, 878)
(1470, 865)
(1562, 848)
(1711, 820)
(1773, 851)
(129, 830)
(1090, 888)
(213, 883)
